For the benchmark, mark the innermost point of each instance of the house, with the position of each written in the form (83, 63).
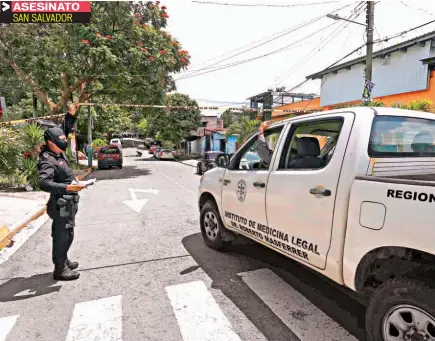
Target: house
(401, 73)
(210, 136)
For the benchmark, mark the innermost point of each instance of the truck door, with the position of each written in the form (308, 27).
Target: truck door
(302, 187)
(244, 187)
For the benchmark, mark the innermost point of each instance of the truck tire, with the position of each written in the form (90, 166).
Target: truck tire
(402, 309)
(212, 226)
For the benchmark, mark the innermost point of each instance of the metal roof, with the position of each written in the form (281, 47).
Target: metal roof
(387, 50)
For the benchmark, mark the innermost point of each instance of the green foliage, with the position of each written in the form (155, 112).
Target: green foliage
(124, 53)
(418, 105)
(244, 127)
(32, 136)
(174, 125)
(228, 118)
(98, 143)
(11, 147)
(143, 126)
(31, 171)
(111, 119)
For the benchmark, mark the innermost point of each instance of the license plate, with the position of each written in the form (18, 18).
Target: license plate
(110, 158)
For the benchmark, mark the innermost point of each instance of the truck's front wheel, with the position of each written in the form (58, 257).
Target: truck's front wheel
(211, 226)
(402, 309)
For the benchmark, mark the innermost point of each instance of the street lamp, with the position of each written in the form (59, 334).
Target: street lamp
(337, 17)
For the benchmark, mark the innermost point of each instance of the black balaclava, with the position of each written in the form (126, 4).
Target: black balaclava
(53, 134)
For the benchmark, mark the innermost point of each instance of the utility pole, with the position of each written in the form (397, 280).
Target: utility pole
(35, 105)
(370, 26)
(89, 136)
(370, 18)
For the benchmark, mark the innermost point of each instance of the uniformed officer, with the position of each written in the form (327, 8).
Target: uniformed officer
(56, 176)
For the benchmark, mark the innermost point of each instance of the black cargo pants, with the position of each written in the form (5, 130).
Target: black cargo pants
(62, 230)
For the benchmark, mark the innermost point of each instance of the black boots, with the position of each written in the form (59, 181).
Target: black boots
(63, 273)
(72, 265)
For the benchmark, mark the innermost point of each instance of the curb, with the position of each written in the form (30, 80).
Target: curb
(7, 233)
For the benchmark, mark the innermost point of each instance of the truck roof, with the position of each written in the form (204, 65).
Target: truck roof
(369, 111)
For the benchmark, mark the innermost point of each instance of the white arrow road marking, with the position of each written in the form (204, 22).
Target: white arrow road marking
(199, 316)
(137, 204)
(5, 6)
(97, 320)
(6, 325)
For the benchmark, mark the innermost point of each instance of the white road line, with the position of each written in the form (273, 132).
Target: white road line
(175, 182)
(99, 320)
(199, 316)
(302, 317)
(21, 237)
(6, 325)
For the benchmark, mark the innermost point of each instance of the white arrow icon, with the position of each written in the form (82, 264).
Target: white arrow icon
(5, 6)
(137, 204)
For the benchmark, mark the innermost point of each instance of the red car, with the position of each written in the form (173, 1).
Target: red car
(109, 156)
(152, 149)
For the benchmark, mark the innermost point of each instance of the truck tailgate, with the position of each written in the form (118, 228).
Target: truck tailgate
(388, 212)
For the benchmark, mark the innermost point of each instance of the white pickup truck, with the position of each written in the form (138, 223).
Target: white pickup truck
(348, 193)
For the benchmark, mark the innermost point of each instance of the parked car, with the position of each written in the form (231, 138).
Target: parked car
(356, 209)
(166, 154)
(152, 149)
(207, 162)
(116, 142)
(157, 152)
(109, 156)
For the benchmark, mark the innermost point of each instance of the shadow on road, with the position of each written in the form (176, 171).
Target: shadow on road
(127, 172)
(34, 286)
(223, 267)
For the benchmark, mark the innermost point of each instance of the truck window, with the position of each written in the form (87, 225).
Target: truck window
(310, 145)
(249, 158)
(398, 136)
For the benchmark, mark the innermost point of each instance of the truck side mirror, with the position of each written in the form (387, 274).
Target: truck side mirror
(222, 161)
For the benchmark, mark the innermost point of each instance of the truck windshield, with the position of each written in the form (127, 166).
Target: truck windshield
(396, 136)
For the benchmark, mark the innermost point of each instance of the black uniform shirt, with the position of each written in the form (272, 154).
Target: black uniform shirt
(55, 172)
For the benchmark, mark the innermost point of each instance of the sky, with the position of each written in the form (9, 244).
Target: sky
(214, 33)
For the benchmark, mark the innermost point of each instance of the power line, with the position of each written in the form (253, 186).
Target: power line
(263, 5)
(280, 34)
(356, 12)
(254, 58)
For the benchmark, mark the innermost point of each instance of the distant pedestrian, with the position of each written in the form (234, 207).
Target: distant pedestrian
(56, 176)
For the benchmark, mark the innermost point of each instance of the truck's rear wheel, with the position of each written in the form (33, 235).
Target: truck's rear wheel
(212, 226)
(402, 310)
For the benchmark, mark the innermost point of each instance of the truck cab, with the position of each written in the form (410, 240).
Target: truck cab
(348, 193)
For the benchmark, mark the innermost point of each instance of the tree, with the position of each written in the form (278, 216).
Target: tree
(143, 126)
(244, 127)
(227, 117)
(174, 125)
(124, 53)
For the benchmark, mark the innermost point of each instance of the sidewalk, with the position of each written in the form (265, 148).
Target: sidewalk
(19, 208)
(192, 163)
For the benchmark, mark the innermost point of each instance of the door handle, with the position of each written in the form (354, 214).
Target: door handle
(259, 184)
(324, 192)
(226, 182)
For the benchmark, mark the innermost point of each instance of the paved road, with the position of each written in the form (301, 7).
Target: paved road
(149, 276)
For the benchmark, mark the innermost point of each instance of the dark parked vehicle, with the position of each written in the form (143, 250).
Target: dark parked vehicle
(109, 156)
(207, 162)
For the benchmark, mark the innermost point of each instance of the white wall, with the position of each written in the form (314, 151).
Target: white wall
(404, 73)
